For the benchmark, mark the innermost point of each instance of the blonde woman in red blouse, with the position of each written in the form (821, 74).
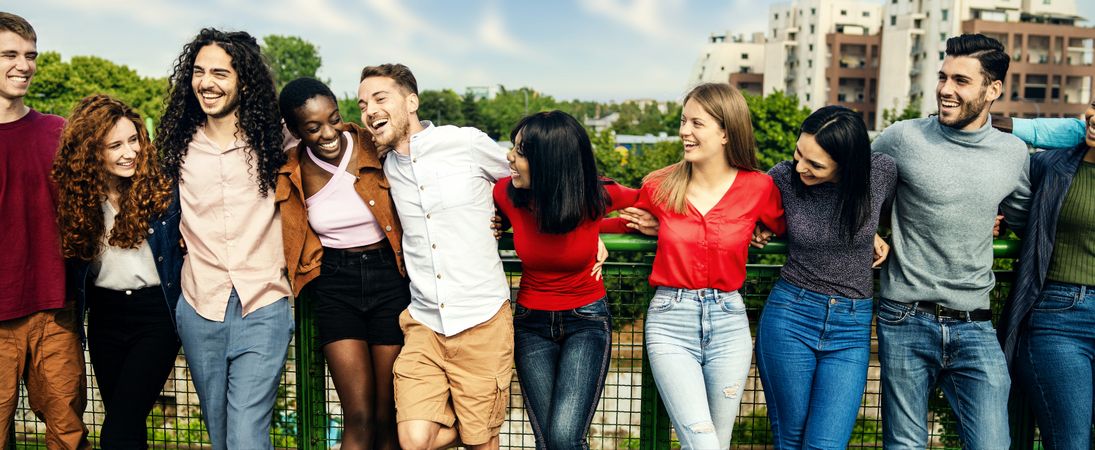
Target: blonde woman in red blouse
(697, 333)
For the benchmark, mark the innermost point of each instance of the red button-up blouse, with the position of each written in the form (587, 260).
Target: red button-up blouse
(697, 251)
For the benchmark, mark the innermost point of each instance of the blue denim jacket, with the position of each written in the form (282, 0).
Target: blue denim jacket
(1051, 175)
(164, 239)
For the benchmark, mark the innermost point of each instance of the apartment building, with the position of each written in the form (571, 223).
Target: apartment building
(825, 52)
(1052, 71)
(738, 59)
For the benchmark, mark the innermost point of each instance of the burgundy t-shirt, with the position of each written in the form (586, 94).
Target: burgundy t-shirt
(32, 273)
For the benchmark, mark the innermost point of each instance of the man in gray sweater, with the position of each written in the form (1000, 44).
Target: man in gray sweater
(955, 173)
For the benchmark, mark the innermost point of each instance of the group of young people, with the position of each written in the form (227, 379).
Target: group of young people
(248, 198)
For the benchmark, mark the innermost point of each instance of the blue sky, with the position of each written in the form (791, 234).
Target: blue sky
(587, 49)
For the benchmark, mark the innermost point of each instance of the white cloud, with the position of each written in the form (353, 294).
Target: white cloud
(145, 12)
(401, 22)
(493, 34)
(321, 15)
(646, 17)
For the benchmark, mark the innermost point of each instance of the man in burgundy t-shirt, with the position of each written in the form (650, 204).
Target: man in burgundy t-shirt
(38, 330)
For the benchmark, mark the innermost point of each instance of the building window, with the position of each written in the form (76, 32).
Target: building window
(744, 56)
(893, 20)
(777, 16)
(810, 63)
(745, 69)
(942, 55)
(866, 14)
(809, 81)
(807, 97)
(813, 11)
(811, 29)
(843, 12)
(811, 47)
(945, 13)
(1046, 2)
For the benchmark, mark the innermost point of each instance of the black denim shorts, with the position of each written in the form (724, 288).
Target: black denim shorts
(359, 295)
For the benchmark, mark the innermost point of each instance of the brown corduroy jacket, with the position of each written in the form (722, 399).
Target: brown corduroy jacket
(303, 251)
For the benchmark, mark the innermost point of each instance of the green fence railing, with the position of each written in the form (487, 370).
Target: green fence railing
(630, 415)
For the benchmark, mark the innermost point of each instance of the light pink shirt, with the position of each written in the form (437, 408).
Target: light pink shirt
(337, 213)
(232, 233)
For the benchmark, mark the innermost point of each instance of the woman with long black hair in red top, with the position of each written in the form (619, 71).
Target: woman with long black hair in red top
(562, 326)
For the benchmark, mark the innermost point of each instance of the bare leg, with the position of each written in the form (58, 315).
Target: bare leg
(386, 437)
(351, 369)
(425, 435)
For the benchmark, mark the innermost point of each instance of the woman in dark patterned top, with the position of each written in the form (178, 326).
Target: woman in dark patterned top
(813, 340)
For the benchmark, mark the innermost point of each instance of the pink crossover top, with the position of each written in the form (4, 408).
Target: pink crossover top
(336, 212)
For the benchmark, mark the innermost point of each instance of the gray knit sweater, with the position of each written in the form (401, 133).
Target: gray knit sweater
(950, 186)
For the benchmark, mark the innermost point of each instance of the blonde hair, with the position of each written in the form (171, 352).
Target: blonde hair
(726, 104)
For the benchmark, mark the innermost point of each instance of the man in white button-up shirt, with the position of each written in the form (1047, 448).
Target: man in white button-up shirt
(452, 377)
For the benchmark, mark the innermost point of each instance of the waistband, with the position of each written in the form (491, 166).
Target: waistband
(377, 251)
(1080, 290)
(806, 294)
(940, 313)
(699, 295)
(98, 293)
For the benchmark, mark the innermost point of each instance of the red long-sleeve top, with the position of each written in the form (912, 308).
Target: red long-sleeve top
(697, 251)
(556, 267)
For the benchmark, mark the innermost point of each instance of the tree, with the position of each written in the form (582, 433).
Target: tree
(469, 108)
(59, 85)
(347, 108)
(290, 57)
(776, 118)
(444, 107)
(502, 112)
(911, 111)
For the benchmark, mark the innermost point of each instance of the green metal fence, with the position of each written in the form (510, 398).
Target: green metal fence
(630, 415)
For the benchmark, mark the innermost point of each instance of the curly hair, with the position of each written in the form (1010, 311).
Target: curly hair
(82, 181)
(259, 119)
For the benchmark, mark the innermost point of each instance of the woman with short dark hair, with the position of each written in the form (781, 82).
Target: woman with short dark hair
(342, 249)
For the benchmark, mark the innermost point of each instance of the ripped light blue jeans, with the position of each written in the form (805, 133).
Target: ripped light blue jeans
(699, 348)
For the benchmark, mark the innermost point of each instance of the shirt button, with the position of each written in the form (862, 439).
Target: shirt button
(414, 160)
(372, 203)
(832, 301)
(151, 231)
(434, 245)
(159, 258)
(388, 228)
(422, 188)
(128, 292)
(442, 306)
(427, 216)
(438, 276)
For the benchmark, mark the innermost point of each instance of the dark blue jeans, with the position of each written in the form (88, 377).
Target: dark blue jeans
(562, 360)
(1055, 361)
(812, 355)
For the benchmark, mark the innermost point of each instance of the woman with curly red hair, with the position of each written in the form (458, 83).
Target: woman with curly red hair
(119, 223)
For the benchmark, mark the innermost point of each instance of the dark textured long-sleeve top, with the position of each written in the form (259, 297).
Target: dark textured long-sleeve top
(818, 258)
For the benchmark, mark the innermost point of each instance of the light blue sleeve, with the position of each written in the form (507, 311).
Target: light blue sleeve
(1049, 133)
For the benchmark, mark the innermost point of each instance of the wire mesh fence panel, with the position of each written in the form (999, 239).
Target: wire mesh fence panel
(308, 415)
(175, 421)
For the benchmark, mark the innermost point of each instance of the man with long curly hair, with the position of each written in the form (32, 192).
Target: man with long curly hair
(222, 141)
(38, 328)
